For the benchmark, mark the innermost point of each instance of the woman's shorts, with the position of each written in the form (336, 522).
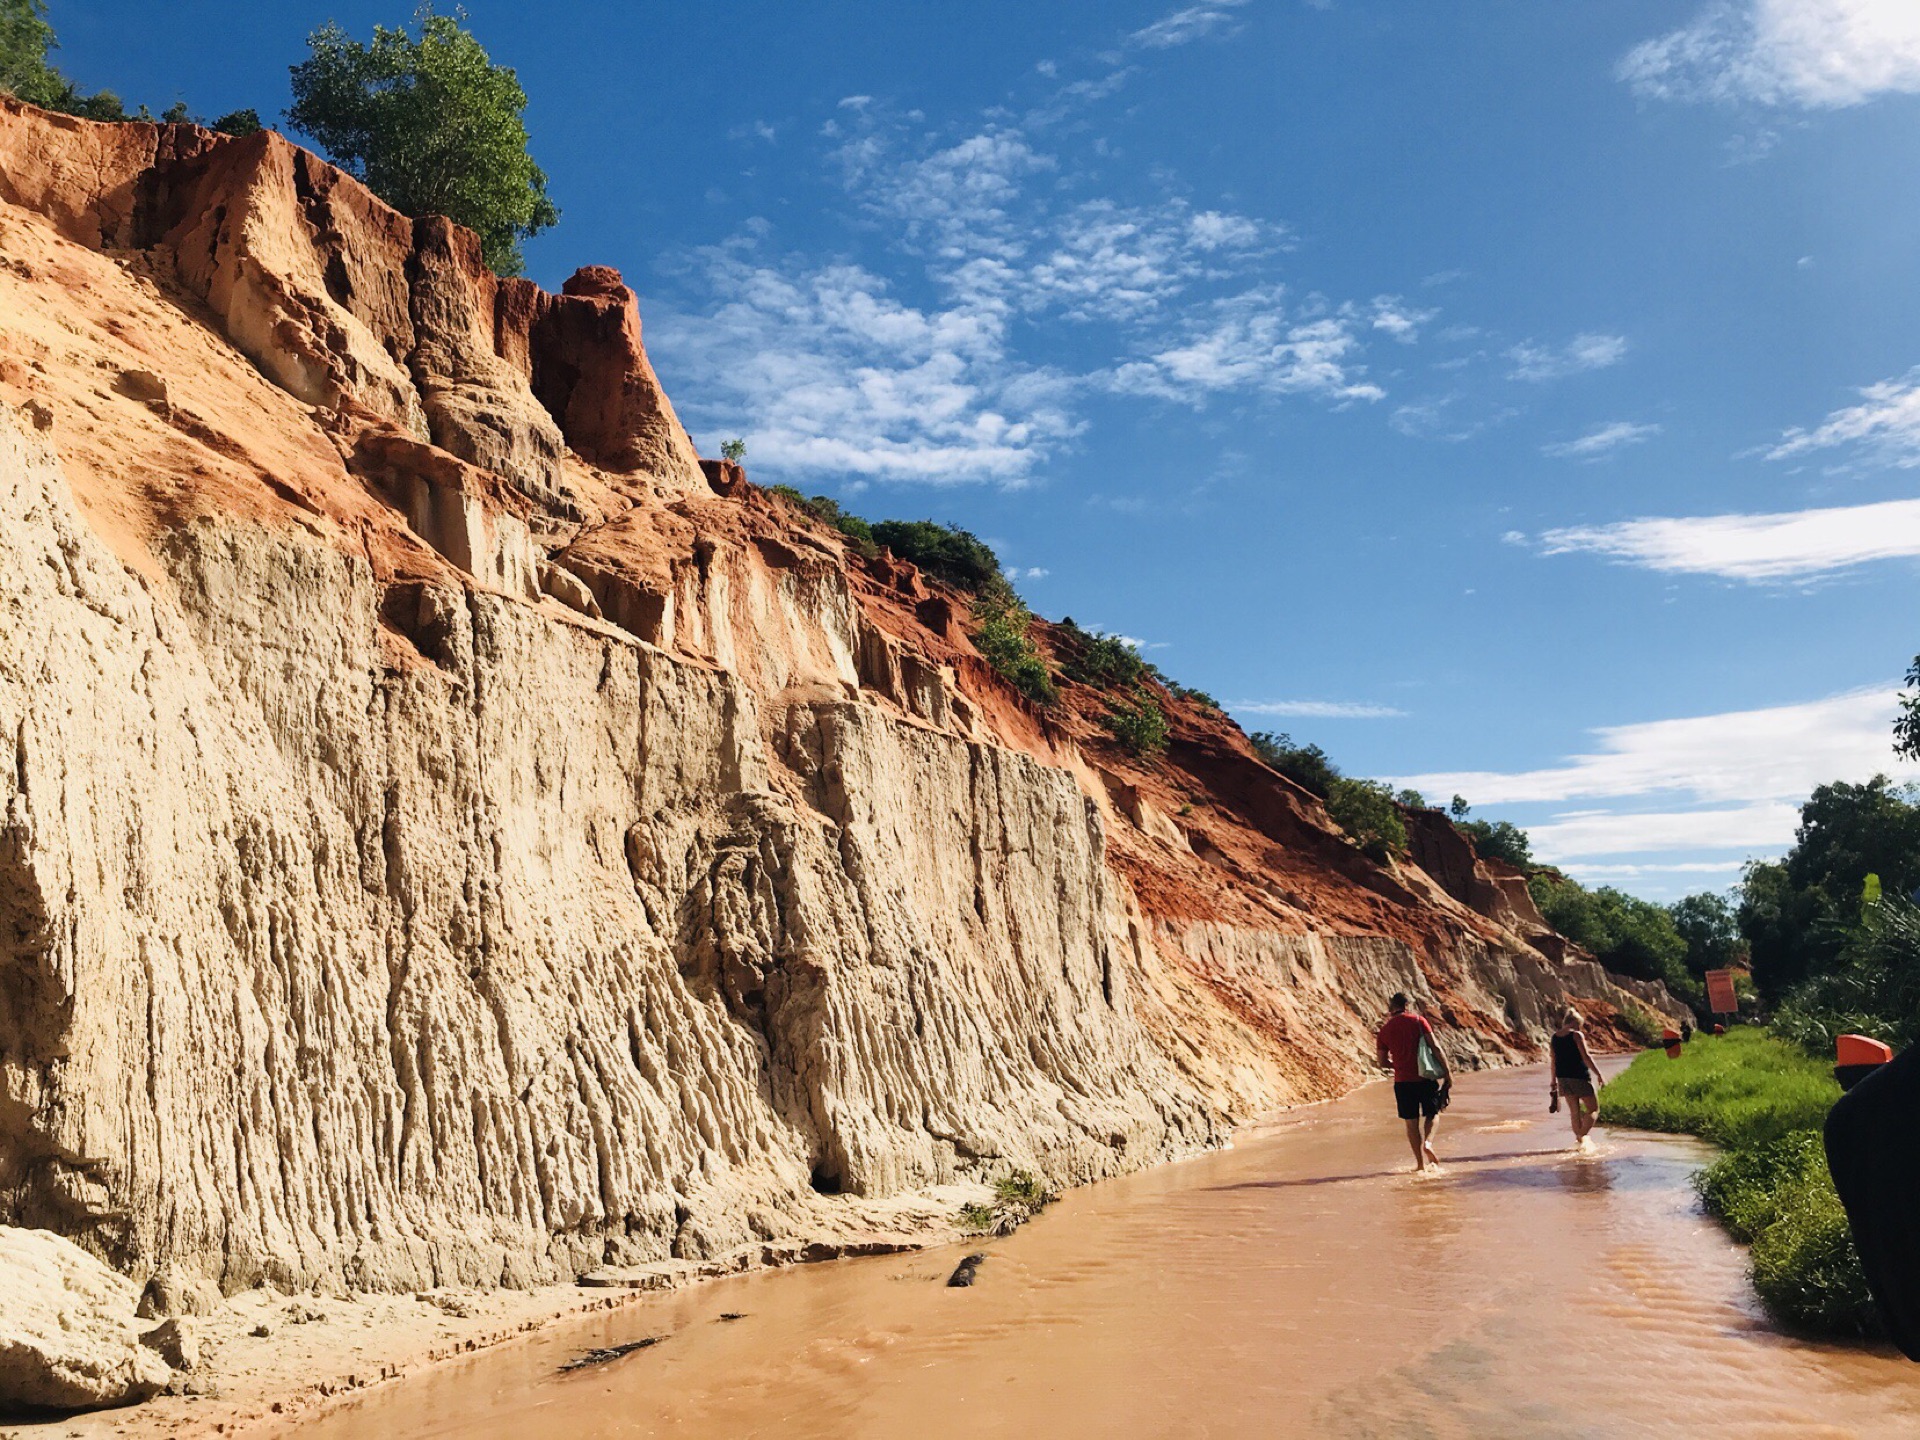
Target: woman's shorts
(1576, 1089)
(1414, 1098)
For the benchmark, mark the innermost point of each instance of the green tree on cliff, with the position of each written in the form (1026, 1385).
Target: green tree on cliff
(432, 126)
(26, 40)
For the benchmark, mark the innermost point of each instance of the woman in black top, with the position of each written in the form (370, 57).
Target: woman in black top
(1575, 1075)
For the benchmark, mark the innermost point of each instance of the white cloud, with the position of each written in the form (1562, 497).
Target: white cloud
(1885, 425)
(1587, 351)
(1789, 546)
(1251, 341)
(1811, 54)
(1316, 709)
(1750, 829)
(1393, 316)
(1602, 873)
(1195, 22)
(922, 370)
(1601, 441)
(1211, 230)
(1740, 758)
(1731, 783)
(825, 372)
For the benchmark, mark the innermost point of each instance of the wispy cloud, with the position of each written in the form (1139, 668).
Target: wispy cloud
(1602, 441)
(1394, 317)
(1449, 418)
(1884, 427)
(1751, 830)
(1587, 351)
(1808, 54)
(835, 375)
(1790, 546)
(929, 353)
(1605, 872)
(1316, 709)
(1252, 341)
(1739, 777)
(1182, 27)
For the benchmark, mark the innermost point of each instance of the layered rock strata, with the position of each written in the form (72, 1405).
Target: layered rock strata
(448, 834)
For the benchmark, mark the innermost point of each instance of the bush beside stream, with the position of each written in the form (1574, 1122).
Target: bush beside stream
(1762, 1101)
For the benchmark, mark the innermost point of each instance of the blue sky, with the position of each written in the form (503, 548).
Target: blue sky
(1517, 397)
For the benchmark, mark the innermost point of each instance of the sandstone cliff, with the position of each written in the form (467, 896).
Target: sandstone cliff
(452, 835)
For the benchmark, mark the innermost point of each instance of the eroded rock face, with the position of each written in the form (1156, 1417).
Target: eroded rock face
(68, 1336)
(447, 838)
(553, 976)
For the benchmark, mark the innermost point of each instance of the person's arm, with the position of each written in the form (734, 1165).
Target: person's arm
(1381, 1058)
(1593, 1065)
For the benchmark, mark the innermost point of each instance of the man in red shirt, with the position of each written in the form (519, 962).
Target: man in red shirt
(1418, 1097)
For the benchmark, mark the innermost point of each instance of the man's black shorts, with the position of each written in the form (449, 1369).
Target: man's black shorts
(1414, 1098)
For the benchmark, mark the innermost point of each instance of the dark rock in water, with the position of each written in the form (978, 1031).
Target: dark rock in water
(612, 1352)
(732, 1315)
(963, 1273)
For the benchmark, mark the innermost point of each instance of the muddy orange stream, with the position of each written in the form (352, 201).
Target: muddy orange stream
(1301, 1283)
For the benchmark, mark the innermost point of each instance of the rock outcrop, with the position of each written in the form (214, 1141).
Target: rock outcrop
(69, 1339)
(448, 834)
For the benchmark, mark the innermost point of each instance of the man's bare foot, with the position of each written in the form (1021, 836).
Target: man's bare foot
(1431, 1158)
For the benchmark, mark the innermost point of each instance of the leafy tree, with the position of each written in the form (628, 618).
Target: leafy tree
(1498, 840)
(1625, 933)
(1002, 637)
(1872, 989)
(951, 554)
(1906, 725)
(1366, 811)
(1306, 765)
(26, 39)
(734, 450)
(1458, 807)
(1796, 915)
(238, 122)
(432, 126)
(1412, 799)
(1139, 724)
(1711, 931)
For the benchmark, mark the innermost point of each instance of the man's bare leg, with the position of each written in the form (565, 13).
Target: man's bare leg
(1415, 1139)
(1426, 1140)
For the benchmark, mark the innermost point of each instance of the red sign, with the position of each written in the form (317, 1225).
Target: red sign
(1720, 997)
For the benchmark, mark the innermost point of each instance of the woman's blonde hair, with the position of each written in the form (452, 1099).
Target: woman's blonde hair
(1571, 1019)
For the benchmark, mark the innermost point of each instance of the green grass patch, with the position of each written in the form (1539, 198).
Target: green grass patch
(1737, 1090)
(1763, 1101)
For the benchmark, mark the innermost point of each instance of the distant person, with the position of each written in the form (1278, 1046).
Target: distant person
(1421, 1075)
(1686, 1030)
(1576, 1076)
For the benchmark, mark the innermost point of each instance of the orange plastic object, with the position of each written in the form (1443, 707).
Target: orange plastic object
(1670, 1038)
(1859, 1050)
(1719, 1029)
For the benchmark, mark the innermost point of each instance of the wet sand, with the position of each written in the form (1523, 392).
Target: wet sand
(1302, 1283)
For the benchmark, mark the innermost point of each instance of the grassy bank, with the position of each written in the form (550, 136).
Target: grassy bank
(1762, 1101)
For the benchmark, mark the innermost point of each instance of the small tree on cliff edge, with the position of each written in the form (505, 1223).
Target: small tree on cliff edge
(430, 124)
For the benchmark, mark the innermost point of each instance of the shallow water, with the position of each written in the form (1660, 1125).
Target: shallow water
(1302, 1283)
